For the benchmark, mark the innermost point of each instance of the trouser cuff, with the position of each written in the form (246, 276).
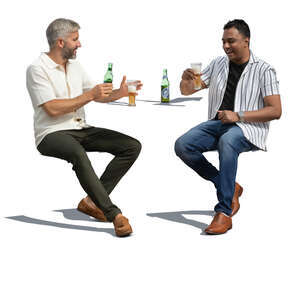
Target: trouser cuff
(112, 214)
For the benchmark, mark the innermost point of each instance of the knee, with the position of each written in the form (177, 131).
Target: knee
(227, 145)
(179, 147)
(135, 147)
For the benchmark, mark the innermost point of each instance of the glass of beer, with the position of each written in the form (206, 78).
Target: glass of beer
(196, 67)
(131, 91)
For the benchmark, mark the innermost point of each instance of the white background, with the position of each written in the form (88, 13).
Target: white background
(257, 259)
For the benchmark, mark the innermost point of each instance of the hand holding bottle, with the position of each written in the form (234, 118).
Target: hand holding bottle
(101, 91)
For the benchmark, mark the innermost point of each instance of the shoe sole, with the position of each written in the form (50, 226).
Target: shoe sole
(123, 234)
(216, 233)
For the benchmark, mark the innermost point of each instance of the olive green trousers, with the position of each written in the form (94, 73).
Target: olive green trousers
(72, 145)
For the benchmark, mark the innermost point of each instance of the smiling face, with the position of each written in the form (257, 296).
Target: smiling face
(235, 45)
(70, 45)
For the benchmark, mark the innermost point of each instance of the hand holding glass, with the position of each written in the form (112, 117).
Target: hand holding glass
(196, 67)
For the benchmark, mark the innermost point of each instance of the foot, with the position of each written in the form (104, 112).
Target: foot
(220, 224)
(122, 226)
(87, 206)
(235, 205)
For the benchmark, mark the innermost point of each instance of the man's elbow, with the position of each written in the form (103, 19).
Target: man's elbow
(49, 110)
(183, 89)
(184, 93)
(278, 114)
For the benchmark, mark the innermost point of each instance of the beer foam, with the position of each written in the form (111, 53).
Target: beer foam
(131, 89)
(197, 69)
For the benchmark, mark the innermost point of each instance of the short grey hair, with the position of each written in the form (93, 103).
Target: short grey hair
(60, 28)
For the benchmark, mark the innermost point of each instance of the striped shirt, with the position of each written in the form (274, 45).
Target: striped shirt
(257, 81)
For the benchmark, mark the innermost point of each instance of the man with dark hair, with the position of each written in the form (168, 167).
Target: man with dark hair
(243, 99)
(240, 25)
(59, 89)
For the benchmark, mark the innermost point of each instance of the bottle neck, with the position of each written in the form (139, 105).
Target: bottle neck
(110, 67)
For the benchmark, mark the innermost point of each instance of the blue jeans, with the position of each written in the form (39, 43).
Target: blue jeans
(229, 141)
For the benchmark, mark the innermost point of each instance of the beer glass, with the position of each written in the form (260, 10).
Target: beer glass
(196, 67)
(131, 91)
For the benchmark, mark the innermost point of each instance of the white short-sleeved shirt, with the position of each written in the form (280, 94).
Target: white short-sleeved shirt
(257, 81)
(47, 80)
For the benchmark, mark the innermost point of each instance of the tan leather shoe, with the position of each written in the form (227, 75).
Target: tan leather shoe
(87, 206)
(122, 226)
(220, 224)
(235, 205)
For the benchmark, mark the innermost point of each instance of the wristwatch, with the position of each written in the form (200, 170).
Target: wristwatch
(241, 116)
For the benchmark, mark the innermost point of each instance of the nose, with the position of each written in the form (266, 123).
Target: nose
(226, 45)
(78, 44)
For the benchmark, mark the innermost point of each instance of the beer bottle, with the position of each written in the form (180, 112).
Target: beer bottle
(108, 77)
(165, 88)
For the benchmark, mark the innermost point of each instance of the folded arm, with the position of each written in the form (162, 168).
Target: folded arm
(270, 111)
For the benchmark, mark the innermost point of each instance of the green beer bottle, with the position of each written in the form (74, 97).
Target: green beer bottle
(108, 77)
(165, 88)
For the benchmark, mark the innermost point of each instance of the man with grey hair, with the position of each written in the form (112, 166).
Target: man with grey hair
(59, 89)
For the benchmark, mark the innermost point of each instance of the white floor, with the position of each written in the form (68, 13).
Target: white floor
(51, 251)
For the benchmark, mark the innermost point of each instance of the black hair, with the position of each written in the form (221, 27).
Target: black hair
(240, 25)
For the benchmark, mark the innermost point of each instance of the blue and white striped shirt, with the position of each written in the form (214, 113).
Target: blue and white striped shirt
(257, 81)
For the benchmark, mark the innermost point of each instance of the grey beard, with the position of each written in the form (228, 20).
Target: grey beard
(68, 53)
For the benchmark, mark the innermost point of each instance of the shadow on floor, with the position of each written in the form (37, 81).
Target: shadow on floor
(70, 214)
(173, 102)
(178, 216)
(74, 214)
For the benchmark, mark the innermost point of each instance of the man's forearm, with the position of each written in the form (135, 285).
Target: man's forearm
(265, 114)
(60, 107)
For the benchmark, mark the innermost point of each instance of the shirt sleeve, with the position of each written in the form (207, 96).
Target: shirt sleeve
(38, 86)
(269, 84)
(207, 73)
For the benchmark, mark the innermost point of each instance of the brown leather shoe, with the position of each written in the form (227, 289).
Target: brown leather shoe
(235, 205)
(122, 226)
(87, 206)
(220, 224)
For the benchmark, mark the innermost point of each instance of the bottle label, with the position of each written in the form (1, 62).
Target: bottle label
(165, 95)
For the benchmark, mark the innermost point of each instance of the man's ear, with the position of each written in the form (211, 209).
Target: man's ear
(60, 42)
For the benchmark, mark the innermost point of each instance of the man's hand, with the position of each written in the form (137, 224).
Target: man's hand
(101, 91)
(228, 116)
(189, 74)
(119, 93)
(123, 90)
(187, 85)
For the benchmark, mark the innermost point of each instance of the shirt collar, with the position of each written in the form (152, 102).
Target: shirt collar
(50, 63)
(253, 59)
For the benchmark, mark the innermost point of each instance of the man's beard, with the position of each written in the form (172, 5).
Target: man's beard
(68, 53)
